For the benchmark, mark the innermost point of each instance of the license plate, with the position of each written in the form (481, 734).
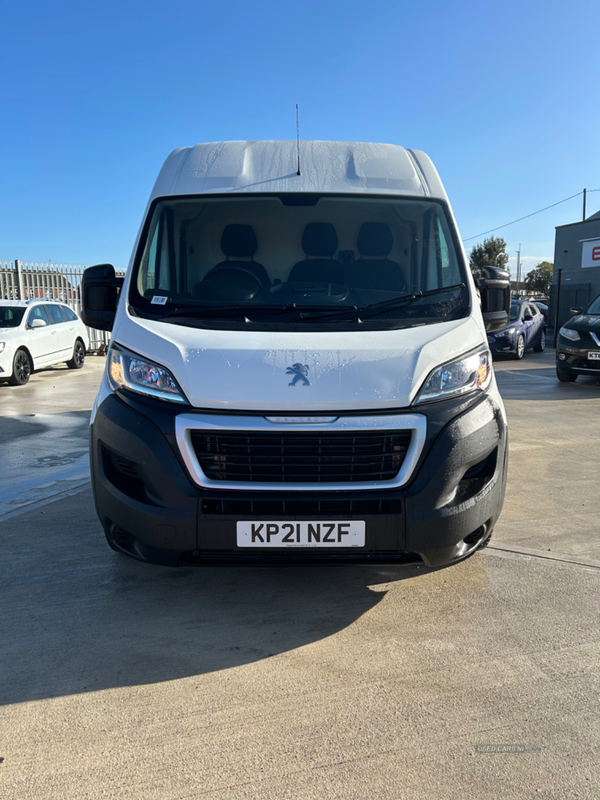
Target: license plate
(595, 356)
(341, 533)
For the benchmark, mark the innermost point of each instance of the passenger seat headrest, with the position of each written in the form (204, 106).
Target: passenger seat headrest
(374, 239)
(319, 239)
(238, 240)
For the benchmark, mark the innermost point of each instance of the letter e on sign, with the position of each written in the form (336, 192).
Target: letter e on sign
(590, 253)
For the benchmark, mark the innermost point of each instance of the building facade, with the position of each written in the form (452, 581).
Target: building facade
(577, 256)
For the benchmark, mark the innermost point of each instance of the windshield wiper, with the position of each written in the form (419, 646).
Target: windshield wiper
(403, 299)
(321, 311)
(249, 308)
(384, 305)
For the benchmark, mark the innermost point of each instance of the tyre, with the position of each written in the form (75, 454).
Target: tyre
(520, 351)
(78, 359)
(564, 376)
(486, 541)
(21, 368)
(541, 345)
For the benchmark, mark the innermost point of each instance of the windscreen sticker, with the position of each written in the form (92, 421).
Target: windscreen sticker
(159, 300)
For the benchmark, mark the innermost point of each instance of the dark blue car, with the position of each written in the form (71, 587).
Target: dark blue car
(527, 328)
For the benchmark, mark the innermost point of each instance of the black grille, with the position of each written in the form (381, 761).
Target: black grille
(300, 507)
(301, 457)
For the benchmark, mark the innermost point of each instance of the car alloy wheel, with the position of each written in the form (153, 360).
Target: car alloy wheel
(541, 345)
(21, 369)
(520, 347)
(78, 359)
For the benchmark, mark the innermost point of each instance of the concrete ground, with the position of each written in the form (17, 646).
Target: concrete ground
(123, 680)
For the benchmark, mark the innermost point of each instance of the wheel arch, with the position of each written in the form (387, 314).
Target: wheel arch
(28, 351)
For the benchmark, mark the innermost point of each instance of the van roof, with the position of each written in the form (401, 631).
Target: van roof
(271, 166)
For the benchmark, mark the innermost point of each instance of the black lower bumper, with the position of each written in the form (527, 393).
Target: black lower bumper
(574, 357)
(151, 509)
(578, 366)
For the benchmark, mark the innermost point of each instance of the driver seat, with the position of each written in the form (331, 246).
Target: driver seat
(237, 242)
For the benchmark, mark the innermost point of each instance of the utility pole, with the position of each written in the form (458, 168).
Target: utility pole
(518, 269)
(584, 201)
(557, 307)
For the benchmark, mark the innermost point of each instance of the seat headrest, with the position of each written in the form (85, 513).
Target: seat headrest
(238, 240)
(319, 239)
(374, 239)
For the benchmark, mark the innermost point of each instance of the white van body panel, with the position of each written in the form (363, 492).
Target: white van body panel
(272, 166)
(246, 371)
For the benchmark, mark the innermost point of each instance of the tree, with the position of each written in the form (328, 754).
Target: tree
(492, 253)
(539, 279)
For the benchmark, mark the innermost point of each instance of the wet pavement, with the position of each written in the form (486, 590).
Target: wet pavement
(124, 680)
(44, 435)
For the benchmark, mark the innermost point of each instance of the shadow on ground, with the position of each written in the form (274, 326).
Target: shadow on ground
(78, 617)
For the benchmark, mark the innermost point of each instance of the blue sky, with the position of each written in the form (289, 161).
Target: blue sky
(502, 96)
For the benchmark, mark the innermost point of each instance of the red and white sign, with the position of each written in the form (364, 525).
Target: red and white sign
(590, 256)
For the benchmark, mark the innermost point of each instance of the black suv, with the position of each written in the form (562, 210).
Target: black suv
(578, 346)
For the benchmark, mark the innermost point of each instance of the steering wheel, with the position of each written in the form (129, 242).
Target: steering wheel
(228, 283)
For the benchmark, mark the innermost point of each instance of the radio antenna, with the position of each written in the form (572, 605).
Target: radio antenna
(298, 137)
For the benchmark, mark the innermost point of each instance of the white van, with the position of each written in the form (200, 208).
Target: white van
(299, 368)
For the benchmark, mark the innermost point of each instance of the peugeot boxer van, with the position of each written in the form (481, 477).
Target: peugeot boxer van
(298, 369)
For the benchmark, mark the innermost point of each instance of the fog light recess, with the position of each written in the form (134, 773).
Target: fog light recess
(120, 536)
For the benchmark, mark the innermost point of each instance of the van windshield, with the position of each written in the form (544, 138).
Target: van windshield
(298, 259)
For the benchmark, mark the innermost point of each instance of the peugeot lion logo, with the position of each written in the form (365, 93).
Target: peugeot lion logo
(299, 371)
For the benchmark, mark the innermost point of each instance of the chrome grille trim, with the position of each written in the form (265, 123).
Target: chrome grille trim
(186, 423)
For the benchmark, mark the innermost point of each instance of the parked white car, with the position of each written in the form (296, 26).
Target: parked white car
(39, 333)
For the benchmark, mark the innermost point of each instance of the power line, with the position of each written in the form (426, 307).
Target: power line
(506, 224)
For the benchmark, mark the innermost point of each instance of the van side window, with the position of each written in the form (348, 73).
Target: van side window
(161, 267)
(440, 267)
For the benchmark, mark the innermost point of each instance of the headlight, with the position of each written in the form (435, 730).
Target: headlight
(510, 331)
(2, 347)
(128, 371)
(570, 334)
(466, 374)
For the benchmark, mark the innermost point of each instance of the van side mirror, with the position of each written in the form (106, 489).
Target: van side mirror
(494, 289)
(99, 296)
(574, 312)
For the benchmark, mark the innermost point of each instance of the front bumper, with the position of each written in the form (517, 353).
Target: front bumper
(503, 344)
(151, 508)
(573, 356)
